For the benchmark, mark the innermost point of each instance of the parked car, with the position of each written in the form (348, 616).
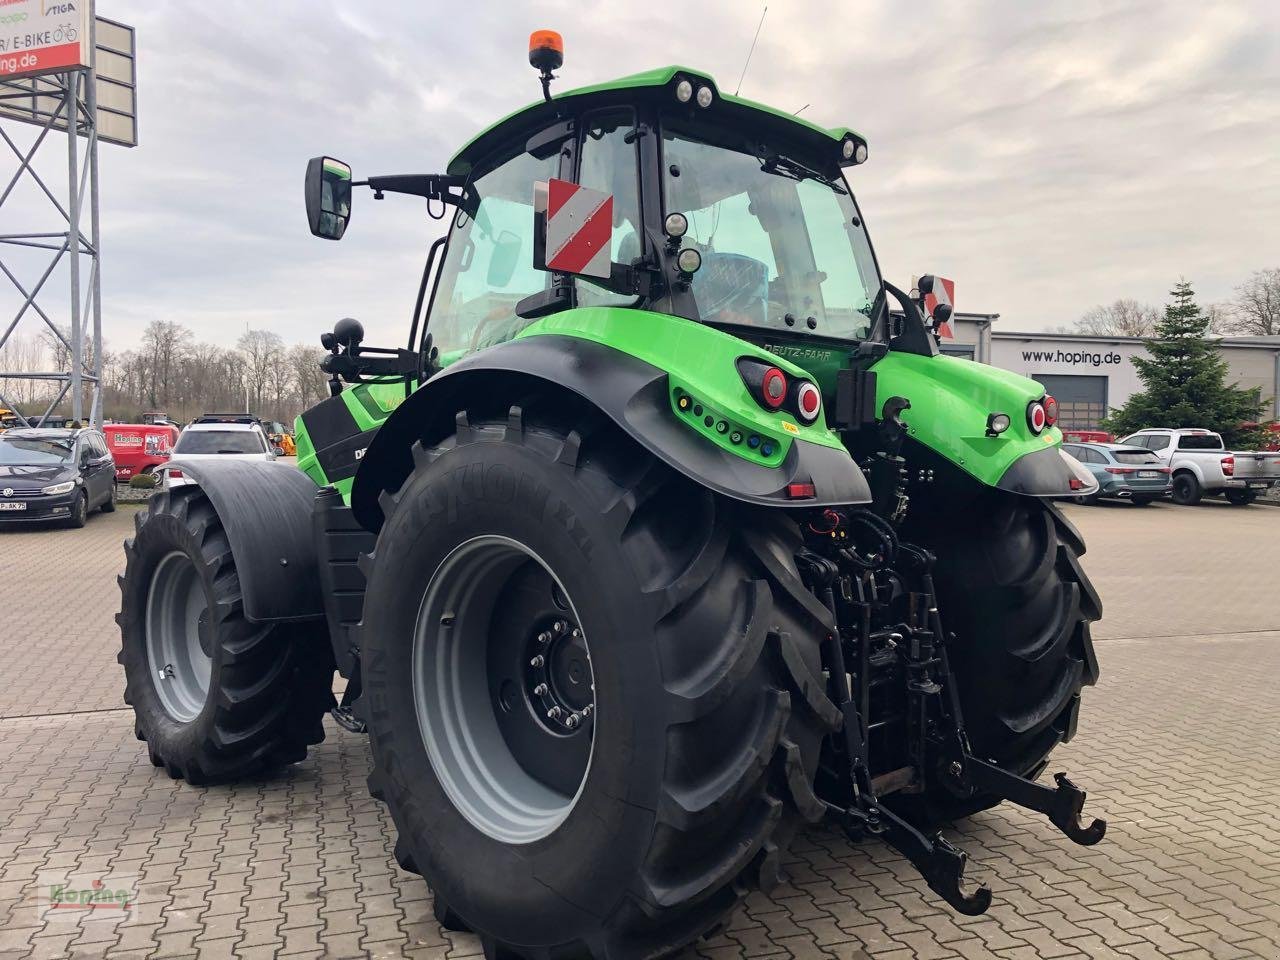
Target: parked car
(1134, 474)
(140, 447)
(216, 439)
(1203, 466)
(1086, 436)
(55, 474)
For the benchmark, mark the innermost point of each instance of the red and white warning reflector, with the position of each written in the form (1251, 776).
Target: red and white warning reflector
(579, 227)
(808, 402)
(938, 290)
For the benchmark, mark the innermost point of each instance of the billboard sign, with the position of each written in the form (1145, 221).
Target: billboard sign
(40, 36)
(39, 99)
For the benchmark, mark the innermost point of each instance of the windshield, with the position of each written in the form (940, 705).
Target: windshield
(220, 441)
(29, 452)
(781, 248)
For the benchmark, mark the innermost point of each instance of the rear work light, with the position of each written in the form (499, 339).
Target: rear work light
(1037, 419)
(1228, 466)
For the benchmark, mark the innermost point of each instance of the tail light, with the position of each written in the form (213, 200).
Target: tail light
(773, 388)
(1121, 469)
(1050, 410)
(1037, 419)
(1228, 466)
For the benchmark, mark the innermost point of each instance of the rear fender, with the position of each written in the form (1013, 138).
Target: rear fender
(265, 509)
(635, 393)
(951, 399)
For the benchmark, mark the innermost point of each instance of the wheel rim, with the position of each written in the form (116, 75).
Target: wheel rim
(177, 614)
(503, 689)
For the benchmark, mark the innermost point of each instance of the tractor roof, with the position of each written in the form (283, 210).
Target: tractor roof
(527, 120)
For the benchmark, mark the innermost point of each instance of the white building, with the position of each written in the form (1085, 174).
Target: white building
(1089, 375)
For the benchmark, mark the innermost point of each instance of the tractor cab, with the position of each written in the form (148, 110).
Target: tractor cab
(719, 210)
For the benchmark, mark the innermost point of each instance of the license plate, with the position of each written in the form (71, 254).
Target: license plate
(1147, 475)
(13, 505)
(1259, 485)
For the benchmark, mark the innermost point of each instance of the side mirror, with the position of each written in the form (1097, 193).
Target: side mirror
(328, 193)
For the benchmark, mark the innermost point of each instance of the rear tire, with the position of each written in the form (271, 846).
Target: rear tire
(1240, 498)
(1186, 490)
(1011, 589)
(708, 703)
(239, 697)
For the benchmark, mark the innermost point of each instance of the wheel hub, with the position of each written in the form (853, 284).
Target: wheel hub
(503, 689)
(558, 677)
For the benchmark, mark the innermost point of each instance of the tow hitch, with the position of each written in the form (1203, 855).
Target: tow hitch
(870, 647)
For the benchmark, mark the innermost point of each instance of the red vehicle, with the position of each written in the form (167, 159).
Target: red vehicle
(1086, 436)
(139, 447)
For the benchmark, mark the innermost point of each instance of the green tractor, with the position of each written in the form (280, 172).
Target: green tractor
(667, 533)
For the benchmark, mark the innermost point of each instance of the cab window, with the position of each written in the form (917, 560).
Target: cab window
(488, 265)
(611, 165)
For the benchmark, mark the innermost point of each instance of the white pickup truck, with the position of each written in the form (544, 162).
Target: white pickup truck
(1202, 466)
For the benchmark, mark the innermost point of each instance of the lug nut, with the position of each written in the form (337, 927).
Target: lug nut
(544, 637)
(554, 713)
(956, 769)
(537, 661)
(577, 633)
(587, 710)
(559, 626)
(540, 690)
(572, 721)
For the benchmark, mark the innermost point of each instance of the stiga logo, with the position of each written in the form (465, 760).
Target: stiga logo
(47, 8)
(1077, 357)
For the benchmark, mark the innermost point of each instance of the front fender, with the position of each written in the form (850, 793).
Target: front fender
(265, 509)
(633, 392)
(951, 399)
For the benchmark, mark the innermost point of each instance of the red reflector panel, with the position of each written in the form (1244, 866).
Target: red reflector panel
(175, 473)
(773, 388)
(1036, 417)
(1076, 483)
(801, 491)
(1050, 410)
(808, 401)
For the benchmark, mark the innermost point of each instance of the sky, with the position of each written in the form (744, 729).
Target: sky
(1046, 156)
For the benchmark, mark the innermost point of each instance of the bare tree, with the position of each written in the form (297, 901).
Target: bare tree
(1255, 311)
(263, 355)
(309, 383)
(1123, 318)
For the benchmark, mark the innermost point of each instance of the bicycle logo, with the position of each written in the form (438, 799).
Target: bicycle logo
(65, 33)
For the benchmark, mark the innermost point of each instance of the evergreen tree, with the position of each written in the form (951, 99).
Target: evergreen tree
(1185, 380)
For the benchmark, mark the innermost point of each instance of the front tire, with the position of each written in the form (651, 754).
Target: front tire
(681, 791)
(214, 696)
(109, 505)
(79, 511)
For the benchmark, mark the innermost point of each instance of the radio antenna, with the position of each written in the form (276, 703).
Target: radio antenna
(752, 50)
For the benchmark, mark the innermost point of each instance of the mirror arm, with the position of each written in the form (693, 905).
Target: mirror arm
(432, 186)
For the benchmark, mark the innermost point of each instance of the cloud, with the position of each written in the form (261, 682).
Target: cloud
(1045, 157)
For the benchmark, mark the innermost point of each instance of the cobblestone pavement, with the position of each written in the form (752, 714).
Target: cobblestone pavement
(1176, 745)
